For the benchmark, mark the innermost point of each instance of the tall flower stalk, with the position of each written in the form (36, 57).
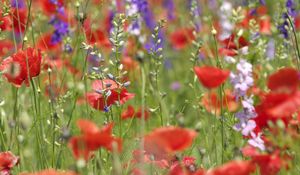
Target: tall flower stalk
(242, 81)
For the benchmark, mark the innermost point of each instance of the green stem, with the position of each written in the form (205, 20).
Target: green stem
(296, 41)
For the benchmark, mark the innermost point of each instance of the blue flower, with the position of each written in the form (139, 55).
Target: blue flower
(147, 15)
(61, 29)
(290, 5)
(17, 3)
(169, 5)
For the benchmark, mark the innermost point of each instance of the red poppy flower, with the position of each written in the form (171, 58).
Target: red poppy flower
(71, 68)
(231, 47)
(212, 102)
(50, 172)
(98, 36)
(45, 43)
(48, 7)
(5, 47)
(227, 52)
(265, 25)
(163, 142)
(181, 37)
(229, 42)
(15, 67)
(234, 168)
(187, 167)
(297, 22)
(138, 114)
(286, 79)
(5, 22)
(117, 94)
(262, 10)
(19, 19)
(55, 63)
(262, 110)
(102, 39)
(269, 164)
(130, 113)
(211, 77)
(7, 162)
(142, 157)
(93, 138)
(287, 107)
(129, 63)
(249, 151)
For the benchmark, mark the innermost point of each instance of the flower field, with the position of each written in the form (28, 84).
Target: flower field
(149, 87)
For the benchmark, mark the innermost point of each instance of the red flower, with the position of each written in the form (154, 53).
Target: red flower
(92, 138)
(227, 52)
(265, 25)
(130, 113)
(129, 63)
(297, 22)
(19, 19)
(268, 164)
(5, 22)
(141, 157)
(230, 47)
(263, 115)
(286, 79)
(138, 114)
(211, 77)
(48, 7)
(212, 102)
(117, 94)
(50, 172)
(277, 106)
(5, 47)
(287, 107)
(163, 142)
(234, 168)
(180, 38)
(7, 162)
(187, 167)
(45, 43)
(15, 67)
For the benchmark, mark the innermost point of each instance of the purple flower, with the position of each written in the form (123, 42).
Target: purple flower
(290, 5)
(146, 13)
(169, 5)
(193, 6)
(212, 4)
(168, 64)
(61, 29)
(132, 7)
(283, 26)
(111, 17)
(270, 50)
(17, 3)
(106, 108)
(256, 141)
(151, 45)
(242, 80)
(68, 48)
(175, 86)
(262, 2)
(132, 10)
(249, 127)
(225, 22)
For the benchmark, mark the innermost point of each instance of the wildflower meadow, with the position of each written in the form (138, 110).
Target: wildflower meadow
(149, 87)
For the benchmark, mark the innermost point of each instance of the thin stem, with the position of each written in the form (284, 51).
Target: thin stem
(296, 41)
(142, 127)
